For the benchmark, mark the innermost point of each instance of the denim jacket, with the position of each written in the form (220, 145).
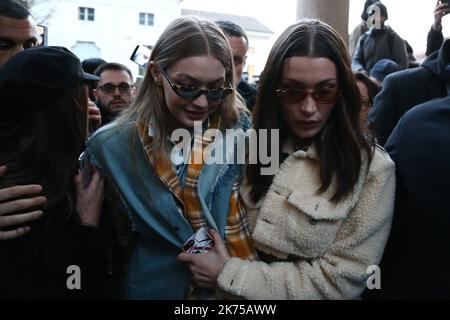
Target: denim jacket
(159, 229)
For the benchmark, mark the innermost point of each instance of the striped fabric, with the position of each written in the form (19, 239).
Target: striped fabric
(237, 234)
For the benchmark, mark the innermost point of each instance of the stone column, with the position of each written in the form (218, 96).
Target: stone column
(333, 12)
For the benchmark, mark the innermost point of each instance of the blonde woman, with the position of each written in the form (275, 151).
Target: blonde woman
(189, 82)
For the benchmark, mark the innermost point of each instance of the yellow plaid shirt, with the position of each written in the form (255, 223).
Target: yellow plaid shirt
(237, 234)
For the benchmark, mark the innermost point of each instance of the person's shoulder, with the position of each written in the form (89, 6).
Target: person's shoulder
(111, 131)
(381, 161)
(406, 77)
(436, 109)
(246, 88)
(390, 31)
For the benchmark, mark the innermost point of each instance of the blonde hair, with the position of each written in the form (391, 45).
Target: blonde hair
(184, 37)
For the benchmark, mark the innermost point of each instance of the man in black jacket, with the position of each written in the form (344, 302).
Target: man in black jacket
(380, 42)
(238, 41)
(416, 262)
(435, 38)
(406, 89)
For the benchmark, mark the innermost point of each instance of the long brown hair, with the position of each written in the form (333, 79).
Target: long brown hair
(340, 143)
(41, 144)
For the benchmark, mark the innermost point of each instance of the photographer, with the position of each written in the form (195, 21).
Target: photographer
(380, 42)
(435, 37)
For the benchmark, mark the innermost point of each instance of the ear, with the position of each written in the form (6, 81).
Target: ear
(245, 60)
(155, 72)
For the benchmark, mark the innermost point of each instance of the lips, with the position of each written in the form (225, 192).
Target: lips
(196, 115)
(308, 124)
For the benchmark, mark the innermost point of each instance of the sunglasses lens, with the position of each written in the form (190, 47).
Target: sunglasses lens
(291, 96)
(111, 88)
(187, 92)
(296, 96)
(216, 94)
(108, 88)
(124, 87)
(326, 95)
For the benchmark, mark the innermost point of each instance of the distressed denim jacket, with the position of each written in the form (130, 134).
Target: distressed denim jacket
(159, 229)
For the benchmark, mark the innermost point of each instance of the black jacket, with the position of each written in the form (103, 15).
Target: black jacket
(247, 92)
(35, 265)
(406, 89)
(416, 263)
(378, 44)
(434, 41)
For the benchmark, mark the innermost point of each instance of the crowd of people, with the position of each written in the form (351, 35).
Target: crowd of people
(122, 181)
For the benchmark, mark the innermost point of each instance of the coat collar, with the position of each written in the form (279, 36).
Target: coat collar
(289, 148)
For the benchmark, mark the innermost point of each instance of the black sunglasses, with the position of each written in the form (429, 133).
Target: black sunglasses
(192, 92)
(111, 88)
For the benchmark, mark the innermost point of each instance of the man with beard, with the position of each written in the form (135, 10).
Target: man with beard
(114, 91)
(238, 40)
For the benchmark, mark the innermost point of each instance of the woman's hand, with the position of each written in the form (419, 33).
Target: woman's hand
(205, 267)
(90, 199)
(9, 206)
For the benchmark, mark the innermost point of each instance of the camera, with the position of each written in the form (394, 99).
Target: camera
(199, 242)
(42, 31)
(141, 55)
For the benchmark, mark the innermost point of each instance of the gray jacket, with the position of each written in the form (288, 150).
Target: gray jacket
(378, 44)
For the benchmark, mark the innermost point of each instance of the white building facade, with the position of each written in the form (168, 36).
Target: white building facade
(260, 38)
(107, 29)
(111, 29)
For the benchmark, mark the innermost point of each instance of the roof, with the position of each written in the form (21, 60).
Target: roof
(246, 23)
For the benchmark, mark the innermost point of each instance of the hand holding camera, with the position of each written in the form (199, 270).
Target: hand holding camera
(200, 242)
(442, 9)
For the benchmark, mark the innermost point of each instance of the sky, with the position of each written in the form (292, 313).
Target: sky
(411, 19)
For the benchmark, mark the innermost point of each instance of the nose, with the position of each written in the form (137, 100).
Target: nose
(309, 106)
(201, 101)
(116, 91)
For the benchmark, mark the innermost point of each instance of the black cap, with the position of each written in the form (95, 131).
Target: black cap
(91, 64)
(41, 74)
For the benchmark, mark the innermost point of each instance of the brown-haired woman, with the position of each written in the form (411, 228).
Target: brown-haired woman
(325, 216)
(43, 128)
(368, 89)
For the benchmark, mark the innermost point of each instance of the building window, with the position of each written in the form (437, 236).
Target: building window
(146, 19)
(86, 14)
(86, 49)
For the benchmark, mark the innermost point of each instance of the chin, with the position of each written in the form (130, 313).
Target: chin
(117, 110)
(306, 134)
(187, 123)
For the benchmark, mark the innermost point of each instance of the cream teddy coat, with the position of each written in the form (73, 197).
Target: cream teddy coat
(323, 249)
